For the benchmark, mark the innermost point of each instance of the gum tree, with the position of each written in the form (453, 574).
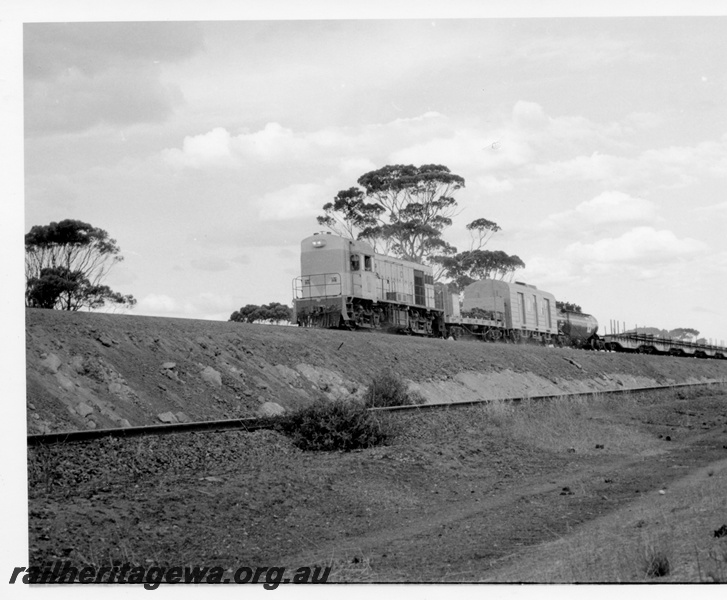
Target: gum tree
(400, 209)
(404, 210)
(65, 265)
(275, 312)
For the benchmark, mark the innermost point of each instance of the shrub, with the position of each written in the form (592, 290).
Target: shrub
(388, 389)
(656, 563)
(338, 425)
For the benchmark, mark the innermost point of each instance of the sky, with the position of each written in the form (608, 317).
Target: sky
(207, 148)
(206, 137)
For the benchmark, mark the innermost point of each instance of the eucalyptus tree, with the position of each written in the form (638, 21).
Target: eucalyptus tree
(400, 209)
(65, 265)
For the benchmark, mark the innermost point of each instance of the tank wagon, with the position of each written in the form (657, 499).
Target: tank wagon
(578, 330)
(345, 284)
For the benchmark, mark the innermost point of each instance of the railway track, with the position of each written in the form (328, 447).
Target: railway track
(257, 423)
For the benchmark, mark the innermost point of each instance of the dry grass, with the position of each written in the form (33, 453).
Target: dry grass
(350, 567)
(584, 425)
(634, 544)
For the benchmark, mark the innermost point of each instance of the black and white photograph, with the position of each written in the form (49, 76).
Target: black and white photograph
(394, 293)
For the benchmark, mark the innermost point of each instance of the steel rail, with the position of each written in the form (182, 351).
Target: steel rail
(257, 423)
(515, 399)
(63, 437)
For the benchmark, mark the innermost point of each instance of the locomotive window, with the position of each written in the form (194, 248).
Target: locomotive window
(521, 305)
(547, 312)
(367, 263)
(355, 262)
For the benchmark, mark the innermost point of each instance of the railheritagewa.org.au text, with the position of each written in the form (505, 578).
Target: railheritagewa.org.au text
(152, 577)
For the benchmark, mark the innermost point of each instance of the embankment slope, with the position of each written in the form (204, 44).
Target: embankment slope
(88, 370)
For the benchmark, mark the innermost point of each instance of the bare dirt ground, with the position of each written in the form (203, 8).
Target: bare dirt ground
(456, 495)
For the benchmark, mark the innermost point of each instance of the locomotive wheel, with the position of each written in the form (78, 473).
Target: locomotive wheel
(492, 335)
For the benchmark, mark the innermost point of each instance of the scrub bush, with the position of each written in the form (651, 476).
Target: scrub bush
(388, 389)
(338, 425)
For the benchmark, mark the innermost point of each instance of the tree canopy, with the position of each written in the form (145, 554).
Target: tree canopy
(267, 313)
(403, 210)
(569, 306)
(65, 265)
(684, 333)
(465, 267)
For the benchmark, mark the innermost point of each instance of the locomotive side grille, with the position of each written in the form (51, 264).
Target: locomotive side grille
(399, 297)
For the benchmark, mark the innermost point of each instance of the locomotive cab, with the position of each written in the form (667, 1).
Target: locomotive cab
(361, 269)
(331, 266)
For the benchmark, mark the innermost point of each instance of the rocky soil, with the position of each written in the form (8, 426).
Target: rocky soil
(454, 496)
(88, 370)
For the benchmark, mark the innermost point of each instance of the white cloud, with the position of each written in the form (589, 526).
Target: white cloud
(520, 144)
(471, 150)
(294, 202)
(272, 142)
(710, 151)
(608, 208)
(209, 149)
(353, 167)
(616, 207)
(712, 211)
(638, 247)
(345, 147)
(529, 115)
(491, 184)
(477, 149)
(83, 75)
(644, 120)
(219, 148)
(550, 273)
(530, 123)
(594, 167)
(672, 166)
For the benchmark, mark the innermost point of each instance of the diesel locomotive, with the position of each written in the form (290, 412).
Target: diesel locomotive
(345, 284)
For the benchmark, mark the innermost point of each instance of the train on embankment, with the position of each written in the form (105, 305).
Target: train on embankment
(345, 284)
